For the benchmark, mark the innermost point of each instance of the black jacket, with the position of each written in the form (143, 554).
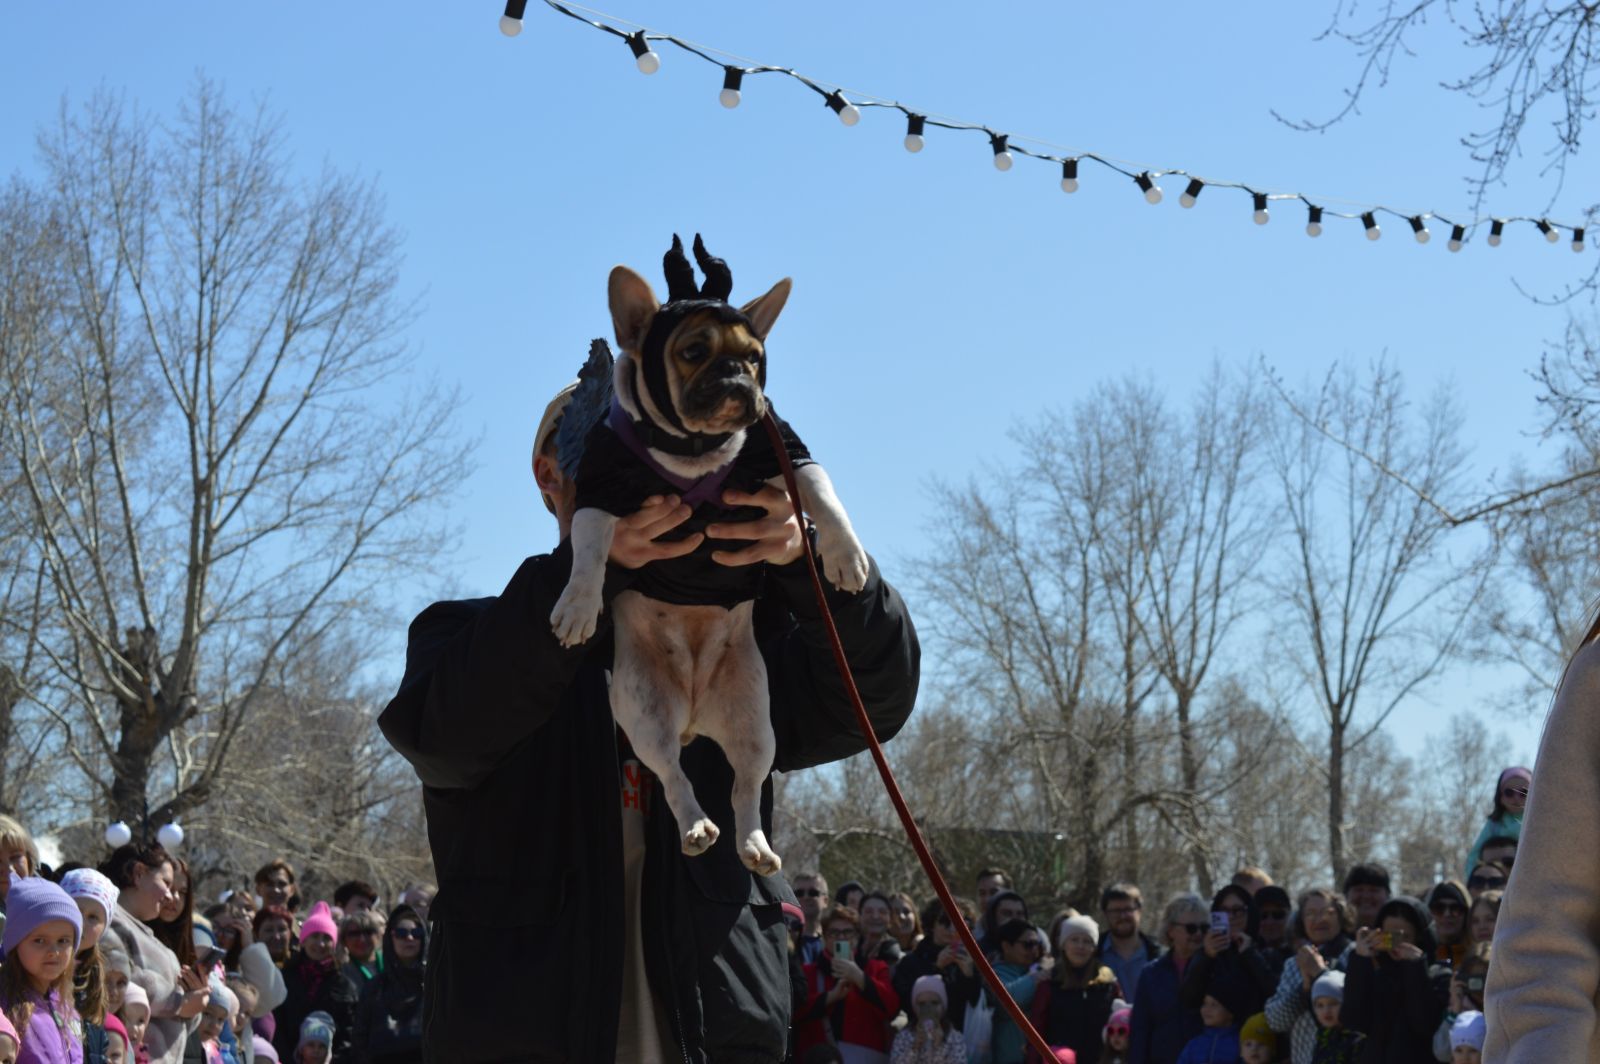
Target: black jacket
(513, 739)
(389, 1018)
(1397, 1004)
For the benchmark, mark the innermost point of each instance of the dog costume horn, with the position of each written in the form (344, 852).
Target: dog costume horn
(680, 275)
(719, 279)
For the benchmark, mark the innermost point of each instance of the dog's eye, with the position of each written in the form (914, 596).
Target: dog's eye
(694, 352)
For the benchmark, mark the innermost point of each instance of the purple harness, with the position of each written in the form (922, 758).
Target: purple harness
(706, 489)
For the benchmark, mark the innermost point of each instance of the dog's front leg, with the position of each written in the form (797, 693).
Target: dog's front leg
(844, 560)
(577, 611)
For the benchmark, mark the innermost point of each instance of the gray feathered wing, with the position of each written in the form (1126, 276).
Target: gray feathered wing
(591, 402)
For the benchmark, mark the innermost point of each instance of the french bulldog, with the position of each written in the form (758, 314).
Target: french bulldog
(687, 393)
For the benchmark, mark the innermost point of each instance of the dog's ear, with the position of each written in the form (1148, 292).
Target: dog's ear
(763, 311)
(633, 304)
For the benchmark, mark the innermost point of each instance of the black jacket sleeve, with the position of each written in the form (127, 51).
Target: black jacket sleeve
(1358, 1010)
(1196, 981)
(811, 712)
(482, 675)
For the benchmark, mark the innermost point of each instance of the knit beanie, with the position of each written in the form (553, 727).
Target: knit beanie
(227, 999)
(255, 964)
(134, 994)
(930, 982)
(1064, 1055)
(264, 1049)
(317, 1027)
(1468, 1030)
(1328, 985)
(1120, 1018)
(34, 901)
(9, 1030)
(116, 1027)
(1082, 923)
(1256, 1029)
(93, 885)
(320, 922)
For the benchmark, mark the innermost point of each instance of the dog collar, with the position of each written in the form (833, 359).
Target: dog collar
(653, 362)
(638, 437)
(654, 437)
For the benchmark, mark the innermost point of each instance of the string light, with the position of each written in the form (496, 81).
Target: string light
(848, 112)
(732, 78)
(170, 836)
(511, 21)
(649, 62)
(1002, 157)
(1005, 148)
(1577, 239)
(914, 124)
(119, 833)
(1069, 175)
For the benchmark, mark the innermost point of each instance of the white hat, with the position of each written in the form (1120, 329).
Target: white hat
(1329, 984)
(1080, 922)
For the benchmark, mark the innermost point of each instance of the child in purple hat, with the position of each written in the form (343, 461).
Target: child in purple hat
(43, 926)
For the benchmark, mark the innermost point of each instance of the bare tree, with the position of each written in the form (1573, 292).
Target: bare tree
(217, 458)
(1378, 607)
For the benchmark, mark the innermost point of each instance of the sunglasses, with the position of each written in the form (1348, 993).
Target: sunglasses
(1486, 882)
(1194, 929)
(1514, 792)
(1274, 914)
(811, 892)
(407, 932)
(1119, 1031)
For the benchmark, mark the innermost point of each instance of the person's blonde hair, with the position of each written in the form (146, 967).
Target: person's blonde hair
(1179, 904)
(13, 836)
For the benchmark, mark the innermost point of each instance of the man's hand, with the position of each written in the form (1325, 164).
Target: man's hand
(775, 538)
(633, 539)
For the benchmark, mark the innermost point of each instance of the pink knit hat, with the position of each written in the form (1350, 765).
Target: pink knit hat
(320, 922)
(115, 1026)
(9, 1031)
(1121, 1017)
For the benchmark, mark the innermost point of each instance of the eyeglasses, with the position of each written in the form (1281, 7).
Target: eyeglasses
(1514, 792)
(1119, 1031)
(1030, 944)
(1194, 929)
(407, 932)
(811, 892)
(1486, 882)
(1446, 908)
(1122, 911)
(847, 933)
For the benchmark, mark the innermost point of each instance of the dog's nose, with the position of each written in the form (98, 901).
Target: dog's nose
(729, 367)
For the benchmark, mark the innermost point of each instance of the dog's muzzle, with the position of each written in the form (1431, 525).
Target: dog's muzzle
(709, 397)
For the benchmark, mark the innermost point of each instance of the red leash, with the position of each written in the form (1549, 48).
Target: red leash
(996, 988)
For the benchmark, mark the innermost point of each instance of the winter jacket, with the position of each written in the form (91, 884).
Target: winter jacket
(155, 968)
(860, 1018)
(1006, 1043)
(1161, 1024)
(1396, 1005)
(315, 987)
(53, 1034)
(389, 1017)
(948, 1048)
(513, 739)
(1074, 1018)
(1248, 979)
(1338, 1045)
(1214, 1045)
(961, 989)
(1509, 825)
(1288, 1010)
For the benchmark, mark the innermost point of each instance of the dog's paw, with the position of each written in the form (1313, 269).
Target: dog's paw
(758, 856)
(575, 617)
(700, 837)
(844, 560)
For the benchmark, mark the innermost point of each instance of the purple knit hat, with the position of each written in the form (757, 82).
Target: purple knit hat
(34, 901)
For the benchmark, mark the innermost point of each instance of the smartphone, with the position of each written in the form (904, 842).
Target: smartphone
(842, 950)
(1220, 924)
(1383, 941)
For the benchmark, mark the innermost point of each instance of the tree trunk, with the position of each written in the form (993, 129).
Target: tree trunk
(10, 695)
(1336, 855)
(1085, 896)
(1191, 786)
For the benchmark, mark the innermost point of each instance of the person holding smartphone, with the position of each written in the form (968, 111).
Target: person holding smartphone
(1392, 994)
(847, 1004)
(941, 953)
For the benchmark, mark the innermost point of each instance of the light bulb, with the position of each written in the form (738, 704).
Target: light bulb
(1457, 233)
(1152, 191)
(1548, 230)
(170, 836)
(1419, 229)
(848, 112)
(732, 78)
(1069, 175)
(510, 26)
(1577, 240)
(1314, 222)
(1373, 232)
(647, 60)
(118, 834)
(1496, 228)
(1261, 215)
(1192, 193)
(1002, 154)
(914, 125)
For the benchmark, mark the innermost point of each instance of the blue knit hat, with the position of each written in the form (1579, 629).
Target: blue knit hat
(317, 1027)
(34, 901)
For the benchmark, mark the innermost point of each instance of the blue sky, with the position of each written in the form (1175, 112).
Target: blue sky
(937, 301)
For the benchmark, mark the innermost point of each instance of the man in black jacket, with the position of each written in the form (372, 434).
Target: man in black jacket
(568, 925)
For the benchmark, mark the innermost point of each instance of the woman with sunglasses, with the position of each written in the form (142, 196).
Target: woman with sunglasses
(1447, 903)
(1021, 947)
(1229, 959)
(941, 953)
(1162, 1026)
(1270, 910)
(389, 1019)
(359, 934)
(1505, 817)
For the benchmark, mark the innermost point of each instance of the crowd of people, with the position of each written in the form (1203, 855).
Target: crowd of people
(123, 964)
(1353, 973)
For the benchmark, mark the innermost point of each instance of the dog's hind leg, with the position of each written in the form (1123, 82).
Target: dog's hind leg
(733, 710)
(650, 691)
